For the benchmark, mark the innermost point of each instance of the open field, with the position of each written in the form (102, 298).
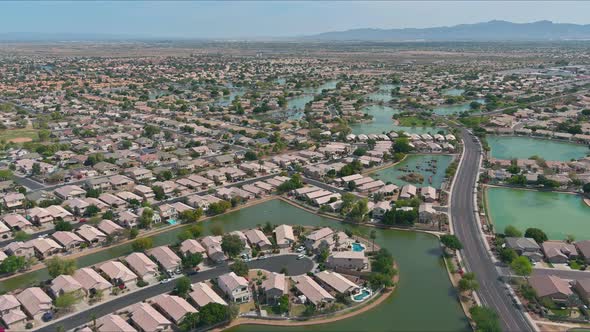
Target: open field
(18, 135)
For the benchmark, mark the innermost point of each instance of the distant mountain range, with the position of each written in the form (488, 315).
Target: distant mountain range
(487, 31)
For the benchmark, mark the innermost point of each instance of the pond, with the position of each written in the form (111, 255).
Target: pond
(510, 147)
(383, 123)
(453, 92)
(455, 109)
(557, 214)
(431, 167)
(383, 94)
(417, 254)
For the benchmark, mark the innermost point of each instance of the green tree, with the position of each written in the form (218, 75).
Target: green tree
(250, 156)
(190, 322)
(373, 237)
(219, 207)
(65, 226)
(359, 210)
(36, 169)
(190, 260)
(232, 245)
(21, 236)
(213, 313)
(486, 319)
(402, 145)
(159, 193)
(511, 231)
(91, 211)
(468, 282)
(142, 244)
(147, 218)
(240, 268)
(282, 305)
(190, 216)
(507, 255)
(538, 235)
(522, 266)
(451, 241)
(12, 264)
(66, 301)
(183, 286)
(57, 266)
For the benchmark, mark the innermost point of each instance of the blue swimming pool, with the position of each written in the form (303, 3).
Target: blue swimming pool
(362, 295)
(172, 221)
(357, 247)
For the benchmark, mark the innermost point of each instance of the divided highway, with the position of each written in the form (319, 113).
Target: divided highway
(492, 291)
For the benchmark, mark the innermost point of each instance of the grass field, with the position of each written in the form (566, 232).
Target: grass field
(18, 135)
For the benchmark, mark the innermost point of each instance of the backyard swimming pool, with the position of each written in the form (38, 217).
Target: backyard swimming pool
(363, 294)
(357, 247)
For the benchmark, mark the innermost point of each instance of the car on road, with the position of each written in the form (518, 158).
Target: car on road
(300, 256)
(164, 281)
(300, 249)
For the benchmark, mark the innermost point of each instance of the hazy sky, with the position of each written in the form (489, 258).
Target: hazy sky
(227, 19)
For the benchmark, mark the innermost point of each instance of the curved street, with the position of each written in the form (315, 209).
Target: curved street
(273, 264)
(492, 291)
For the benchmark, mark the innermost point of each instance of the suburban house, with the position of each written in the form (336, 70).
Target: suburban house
(65, 284)
(35, 302)
(68, 240)
(351, 260)
(337, 282)
(17, 222)
(70, 192)
(274, 287)
(191, 246)
(525, 247)
(148, 319)
(558, 252)
(91, 234)
(11, 312)
(45, 247)
(284, 236)
(582, 287)
(173, 307)
(551, 287)
(167, 259)
(313, 292)
(110, 323)
(258, 239)
(584, 249)
(202, 294)
(118, 273)
(109, 227)
(143, 266)
(235, 287)
(314, 239)
(91, 281)
(213, 246)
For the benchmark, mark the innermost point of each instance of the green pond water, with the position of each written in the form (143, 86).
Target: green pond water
(509, 147)
(383, 123)
(422, 164)
(453, 92)
(424, 286)
(454, 109)
(383, 94)
(556, 214)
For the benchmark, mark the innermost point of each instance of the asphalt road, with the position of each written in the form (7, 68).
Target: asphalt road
(274, 264)
(476, 259)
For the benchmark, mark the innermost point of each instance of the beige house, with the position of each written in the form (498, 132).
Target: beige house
(337, 282)
(202, 295)
(235, 287)
(118, 273)
(191, 246)
(173, 307)
(91, 234)
(143, 266)
(11, 312)
(68, 240)
(351, 260)
(148, 319)
(91, 281)
(313, 292)
(284, 236)
(114, 323)
(167, 259)
(65, 284)
(34, 302)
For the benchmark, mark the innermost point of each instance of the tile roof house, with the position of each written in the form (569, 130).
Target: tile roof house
(167, 259)
(284, 236)
(91, 281)
(336, 281)
(213, 246)
(17, 222)
(202, 294)
(558, 252)
(91, 234)
(11, 312)
(118, 273)
(128, 219)
(173, 307)
(550, 286)
(314, 239)
(274, 287)
(34, 302)
(148, 319)
(45, 247)
(258, 239)
(351, 260)
(68, 240)
(191, 246)
(69, 192)
(235, 287)
(114, 323)
(109, 227)
(584, 249)
(65, 284)
(312, 291)
(525, 247)
(13, 200)
(19, 248)
(143, 266)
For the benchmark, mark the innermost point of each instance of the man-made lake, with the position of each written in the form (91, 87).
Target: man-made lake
(424, 286)
(558, 215)
(509, 147)
(383, 94)
(382, 122)
(453, 92)
(455, 109)
(431, 167)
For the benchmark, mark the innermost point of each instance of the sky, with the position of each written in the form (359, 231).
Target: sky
(243, 19)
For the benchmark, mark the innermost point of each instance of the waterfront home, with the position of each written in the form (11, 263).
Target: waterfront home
(143, 266)
(191, 246)
(45, 247)
(118, 273)
(428, 194)
(202, 295)
(584, 249)
(91, 281)
(173, 307)
(213, 246)
(525, 246)
(17, 222)
(558, 252)
(68, 240)
(148, 319)
(113, 323)
(69, 192)
(284, 236)
(258, 239)
(166, 258)
(408, 191)
(35, 302)
(108, 227)
(10, 312)
(19, 248)
(128, 219)
(63, 284)
(274, 287)
(582, 287)
(337, 282)
(91, 234)
(551, 287)
(380, 208)
(350, 260)
(235, 287)
(315, 238)
(426, 213)
(312, 291)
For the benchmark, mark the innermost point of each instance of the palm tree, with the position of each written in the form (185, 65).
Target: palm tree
(373, 236)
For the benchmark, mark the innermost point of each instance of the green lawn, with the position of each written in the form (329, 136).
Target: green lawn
(11, 134)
